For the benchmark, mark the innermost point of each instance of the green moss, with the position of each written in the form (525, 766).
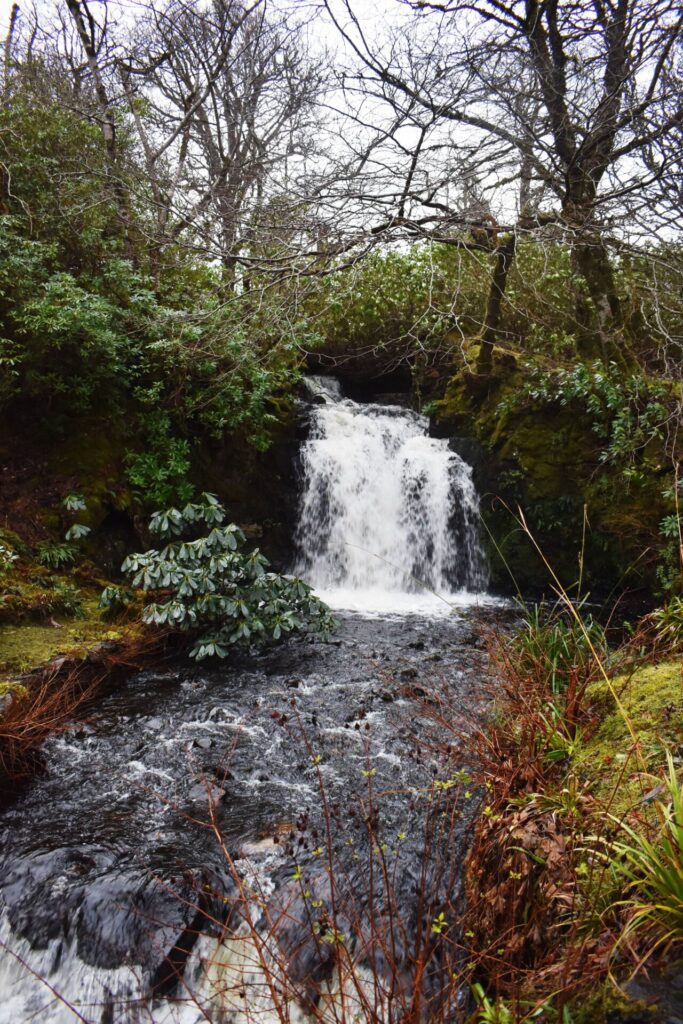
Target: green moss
(652, 698)
(283, 408)
(98, 454)
(13, 688)
(31, 592)
(23, 647)
(87, 460)
(45, 613)
(13, 541)
(601, 1004)
(545, 457)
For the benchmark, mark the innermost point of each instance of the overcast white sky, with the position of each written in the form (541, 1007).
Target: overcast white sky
(370, 10)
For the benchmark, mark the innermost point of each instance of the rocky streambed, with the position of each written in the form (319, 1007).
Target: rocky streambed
(198, 804)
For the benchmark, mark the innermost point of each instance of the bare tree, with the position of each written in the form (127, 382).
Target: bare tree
(93, 39)
(208, 115)
(7, 50)
(228, 93)
(558, 104)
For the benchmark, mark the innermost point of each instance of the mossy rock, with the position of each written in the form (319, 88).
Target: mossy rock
(92, 458)
(25, 646)
(32, 592)
(543, 458)
(12, 688)
(609, 1004)
(651, 700)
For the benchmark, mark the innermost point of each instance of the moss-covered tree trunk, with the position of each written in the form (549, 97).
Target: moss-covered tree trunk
(504, 256)
(602, 331)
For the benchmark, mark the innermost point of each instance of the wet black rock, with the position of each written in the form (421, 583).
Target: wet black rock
(408, 673)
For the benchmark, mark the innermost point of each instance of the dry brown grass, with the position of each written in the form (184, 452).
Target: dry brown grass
(51, 696)
(542, 916)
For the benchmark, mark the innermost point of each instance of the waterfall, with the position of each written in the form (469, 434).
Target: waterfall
(111, 877)
(389, 516)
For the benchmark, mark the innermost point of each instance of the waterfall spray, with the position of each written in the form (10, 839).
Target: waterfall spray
(389, 516)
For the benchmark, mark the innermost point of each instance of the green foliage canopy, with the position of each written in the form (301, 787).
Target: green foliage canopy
(93, 323)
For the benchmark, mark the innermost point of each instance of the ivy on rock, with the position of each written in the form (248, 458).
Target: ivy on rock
(209, 587)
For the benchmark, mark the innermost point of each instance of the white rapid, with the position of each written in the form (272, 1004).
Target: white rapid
(389, 516)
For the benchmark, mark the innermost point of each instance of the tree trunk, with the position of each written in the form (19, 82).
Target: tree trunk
(505, 254)
(7, 63)
(603, 333)
(79, 12)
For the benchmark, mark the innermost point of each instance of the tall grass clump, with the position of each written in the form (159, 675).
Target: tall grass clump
(542, 672)
(533, 937)
(650, 861)
(667, 624)
(551, 647)
(574, 879)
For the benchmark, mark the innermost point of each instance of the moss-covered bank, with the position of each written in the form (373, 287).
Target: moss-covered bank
(539, 445)
(652, 699)
(53, 659)
(576, 766)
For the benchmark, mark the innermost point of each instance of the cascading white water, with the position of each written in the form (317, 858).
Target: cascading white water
(389, 516)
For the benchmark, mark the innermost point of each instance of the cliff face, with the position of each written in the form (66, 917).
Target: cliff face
(541, 455)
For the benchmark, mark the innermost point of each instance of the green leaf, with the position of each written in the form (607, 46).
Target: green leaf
(210, 584)
(77, 531)
(74, 503)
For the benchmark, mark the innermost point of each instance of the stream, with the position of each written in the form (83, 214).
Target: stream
(204, 844)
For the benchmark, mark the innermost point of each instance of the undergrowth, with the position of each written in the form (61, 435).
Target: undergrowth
(575, 873)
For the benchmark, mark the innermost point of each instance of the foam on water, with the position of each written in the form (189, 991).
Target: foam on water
(389, 516)
(53, 984)
(377, 603)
